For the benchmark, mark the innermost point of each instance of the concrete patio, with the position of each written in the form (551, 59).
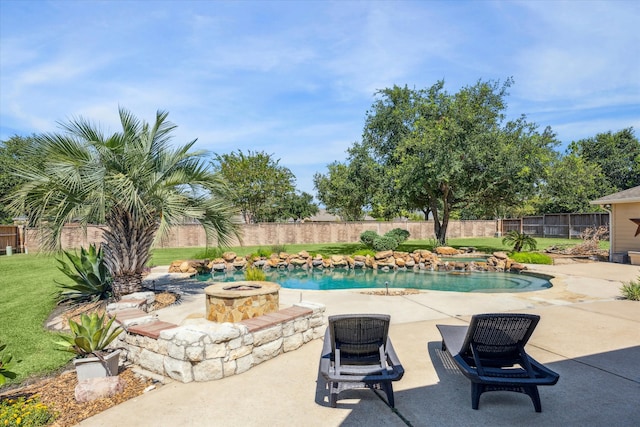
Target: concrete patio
(586, 334)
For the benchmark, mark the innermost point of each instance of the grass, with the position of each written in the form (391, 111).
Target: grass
(531, 258)
(27, 292)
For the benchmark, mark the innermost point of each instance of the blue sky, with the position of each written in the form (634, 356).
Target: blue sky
(295, 78)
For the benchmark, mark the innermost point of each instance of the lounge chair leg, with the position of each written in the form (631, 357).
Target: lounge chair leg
(333, 398)
(532, 391)
(333, 394)
(387, 387)
(476, 391)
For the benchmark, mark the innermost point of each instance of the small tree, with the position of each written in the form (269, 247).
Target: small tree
(367, 238)
(399, 234)
(259, 186)
(133, 181)
(519, 241)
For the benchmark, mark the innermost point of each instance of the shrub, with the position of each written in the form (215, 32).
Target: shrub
(531, 258)
(263, 252)
(209, 253)
(367, 238)
(399, 234)
(24, 412)
(91, 277)
(278, 248)
(385, 243)
(365, 252)
(254, 274)
(7, 363)
(631, 290)
(519, 241)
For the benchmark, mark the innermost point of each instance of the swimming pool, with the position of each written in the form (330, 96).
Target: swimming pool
(425, 280)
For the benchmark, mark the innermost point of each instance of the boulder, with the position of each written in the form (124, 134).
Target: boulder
(500, 255)
(337, 259)
(298, 261)
(518, 267)
(447, 250)
(97, 388)
(229, 256)
(383, 254)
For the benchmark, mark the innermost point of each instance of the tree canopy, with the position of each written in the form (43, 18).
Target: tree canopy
(15, 150)
(439, 151)
(345, 190)
(617, 154)
(260, 188)
(571, 183)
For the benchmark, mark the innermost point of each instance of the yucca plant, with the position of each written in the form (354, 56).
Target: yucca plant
(519, 241)
(90, 275)
(7, 363)
(89, 337)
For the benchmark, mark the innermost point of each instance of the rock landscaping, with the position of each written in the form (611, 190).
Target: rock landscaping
(385, 260)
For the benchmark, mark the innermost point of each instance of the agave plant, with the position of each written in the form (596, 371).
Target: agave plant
(519, 241)
(6, 365)
(91, 277)
(89, 337)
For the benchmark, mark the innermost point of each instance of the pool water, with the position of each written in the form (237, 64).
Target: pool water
(425, 280)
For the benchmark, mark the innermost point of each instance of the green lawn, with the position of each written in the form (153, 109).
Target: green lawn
(27, 292)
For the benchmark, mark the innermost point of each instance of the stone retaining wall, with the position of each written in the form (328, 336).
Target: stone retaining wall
(201, 350)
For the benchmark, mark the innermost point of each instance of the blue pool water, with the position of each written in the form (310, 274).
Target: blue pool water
(426, 280)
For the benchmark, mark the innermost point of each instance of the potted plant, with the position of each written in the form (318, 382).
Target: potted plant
(89, 340)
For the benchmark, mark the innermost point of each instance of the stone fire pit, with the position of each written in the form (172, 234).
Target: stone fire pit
(236, 301)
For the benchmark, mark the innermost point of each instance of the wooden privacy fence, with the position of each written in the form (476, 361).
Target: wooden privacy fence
(9, 239)
(567, 226)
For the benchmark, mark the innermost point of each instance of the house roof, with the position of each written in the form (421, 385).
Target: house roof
(631, 195)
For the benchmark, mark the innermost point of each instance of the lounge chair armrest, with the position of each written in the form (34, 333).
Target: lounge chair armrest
(392, 356)
(394, 361)
(325, 358)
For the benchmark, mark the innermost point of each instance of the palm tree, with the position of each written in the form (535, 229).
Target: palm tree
(133, 181)
(519, 241)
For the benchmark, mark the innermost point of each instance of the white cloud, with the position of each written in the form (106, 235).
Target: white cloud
(295, 79)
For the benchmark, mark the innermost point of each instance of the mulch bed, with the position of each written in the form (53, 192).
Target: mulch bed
(58, 391)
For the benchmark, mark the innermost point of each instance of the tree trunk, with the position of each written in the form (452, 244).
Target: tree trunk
(124, 284)
(127, 250)
(440, 227)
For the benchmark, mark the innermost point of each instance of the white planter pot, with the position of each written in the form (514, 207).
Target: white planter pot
(93, 367)
(634, 257)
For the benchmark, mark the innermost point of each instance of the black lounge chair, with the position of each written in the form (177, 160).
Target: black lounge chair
(357, 353)
(490, 352)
